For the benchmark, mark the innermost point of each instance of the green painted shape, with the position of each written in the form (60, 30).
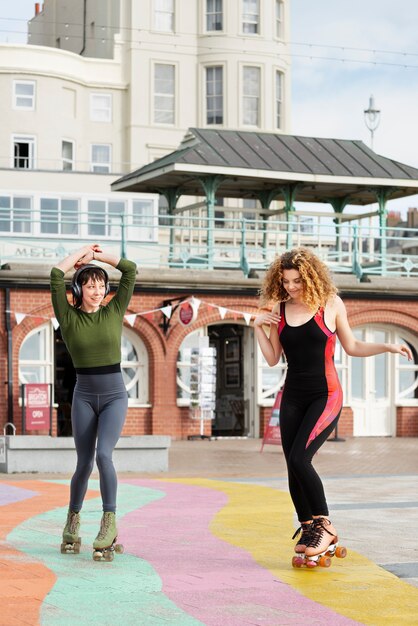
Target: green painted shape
(126, 591)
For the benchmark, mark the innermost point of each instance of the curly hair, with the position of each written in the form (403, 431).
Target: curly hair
(317, 282)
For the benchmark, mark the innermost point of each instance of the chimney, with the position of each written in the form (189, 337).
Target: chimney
(37, 8)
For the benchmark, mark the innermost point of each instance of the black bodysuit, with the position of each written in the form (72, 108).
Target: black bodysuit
(310, 407)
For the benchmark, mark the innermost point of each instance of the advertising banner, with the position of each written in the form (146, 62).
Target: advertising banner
(37, 406)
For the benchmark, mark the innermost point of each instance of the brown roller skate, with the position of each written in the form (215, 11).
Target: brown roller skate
(305, 530)
(323, 544)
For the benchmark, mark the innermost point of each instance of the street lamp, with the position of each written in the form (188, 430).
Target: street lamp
(372, 119)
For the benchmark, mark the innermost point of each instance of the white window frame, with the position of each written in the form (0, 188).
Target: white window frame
(67, 160)
(279, 19)
(244, 96)
(214, 67)
(247, 21)
(101, 107)
(214, 13)
(101, 167)
(48, 362)
(185, 363)
(31, 98)
(13, 217)
(142, 369)
(278, 99)
(60, 217)
(157, 12)
(172, 96)
(111, 226)
(31, 141)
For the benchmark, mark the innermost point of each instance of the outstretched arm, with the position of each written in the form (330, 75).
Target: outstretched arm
(354, 347)
(269, 345)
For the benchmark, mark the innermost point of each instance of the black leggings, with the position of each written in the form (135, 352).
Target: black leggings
(299, 412)
(98, 413)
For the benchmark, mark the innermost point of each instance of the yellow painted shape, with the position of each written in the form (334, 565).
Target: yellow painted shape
(259, 520)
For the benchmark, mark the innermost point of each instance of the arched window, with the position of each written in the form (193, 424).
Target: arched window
(134, 366)
(184, 364)
(36, 357)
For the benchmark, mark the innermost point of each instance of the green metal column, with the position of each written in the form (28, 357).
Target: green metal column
(266, 198)
(289, 194)
(382, 195)
(210, 185)
(338, 204)
(172, 195)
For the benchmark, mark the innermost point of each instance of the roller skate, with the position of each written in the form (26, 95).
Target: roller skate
(70, 540)
(305, 530)
(105, 546)
(323, 545)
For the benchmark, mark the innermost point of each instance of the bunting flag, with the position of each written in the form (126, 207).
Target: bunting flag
(167, 311)
(131, 319)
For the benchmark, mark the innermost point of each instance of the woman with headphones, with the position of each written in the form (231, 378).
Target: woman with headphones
(92, 333)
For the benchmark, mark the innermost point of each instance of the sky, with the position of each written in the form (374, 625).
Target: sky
(341, 53)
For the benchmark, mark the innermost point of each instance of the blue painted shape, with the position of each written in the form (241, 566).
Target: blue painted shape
(126, 591)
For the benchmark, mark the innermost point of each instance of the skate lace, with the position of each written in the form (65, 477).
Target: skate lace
(104, 526)
(306, 530)
(318, 529)
(73, 522)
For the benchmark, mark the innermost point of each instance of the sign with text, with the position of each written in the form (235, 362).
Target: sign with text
(272, 433)
(37, 406)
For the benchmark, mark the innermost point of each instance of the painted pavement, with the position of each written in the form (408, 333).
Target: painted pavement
(197, 551)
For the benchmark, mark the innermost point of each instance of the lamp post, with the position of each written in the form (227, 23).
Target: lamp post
(372, 119)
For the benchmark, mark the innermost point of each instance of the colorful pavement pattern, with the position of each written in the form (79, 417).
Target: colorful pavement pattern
(197, 551)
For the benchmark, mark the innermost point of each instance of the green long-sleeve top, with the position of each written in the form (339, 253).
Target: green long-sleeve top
(93, 339)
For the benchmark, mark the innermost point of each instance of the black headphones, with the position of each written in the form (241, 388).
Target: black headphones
(76, 284)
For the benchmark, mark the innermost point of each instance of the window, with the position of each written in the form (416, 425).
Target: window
(184, 365)
(36, 356)
(251, 96)
(134, 367)
(164, 15)
(279, 19)
(59, 216)
(15, 214)
(143, 220)
(100, 158)
(279, 99)
(24, 95)
(67, 150)
(105, 218)
(23, 152)
(100, 107)
(214, 15)
(251, 17)
(214, 95)
(164, 93)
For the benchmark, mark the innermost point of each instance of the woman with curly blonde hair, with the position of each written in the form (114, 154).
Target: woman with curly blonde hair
(309, 316)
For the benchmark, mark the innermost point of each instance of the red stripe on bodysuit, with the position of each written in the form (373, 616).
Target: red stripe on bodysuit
(335, 394)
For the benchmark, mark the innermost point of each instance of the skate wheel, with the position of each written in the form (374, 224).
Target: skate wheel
(341, 552)
(298, 561)
(119, 548)
(324, 561)
(311, 564)
(71, 548)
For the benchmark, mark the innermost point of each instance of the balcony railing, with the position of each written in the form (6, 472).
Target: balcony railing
(198, 242)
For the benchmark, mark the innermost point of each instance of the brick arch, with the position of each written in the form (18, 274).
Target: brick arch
(384, 316)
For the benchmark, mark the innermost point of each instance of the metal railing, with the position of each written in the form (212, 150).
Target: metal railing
(231, 242)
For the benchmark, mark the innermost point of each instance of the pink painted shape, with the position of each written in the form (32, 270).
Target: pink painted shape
(215, 582)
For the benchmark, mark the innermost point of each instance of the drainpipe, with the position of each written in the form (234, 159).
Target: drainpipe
(84, 27)
(9, 358)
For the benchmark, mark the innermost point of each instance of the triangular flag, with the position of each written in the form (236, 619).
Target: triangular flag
(149, 316)
(234, 315)
(131, 319)
(222, 311)
(167, 310)
(247, 317)
(55, 323)
(20, 317)
(195, 302)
